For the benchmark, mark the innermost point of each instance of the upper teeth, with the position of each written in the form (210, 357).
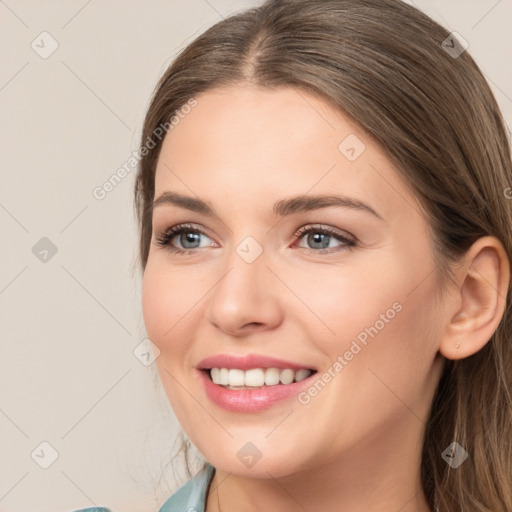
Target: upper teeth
(256, 377)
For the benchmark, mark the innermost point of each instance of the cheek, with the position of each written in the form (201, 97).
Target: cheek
(398, 332)
(152, 308)
(382, 311)
(384, 347)
(339, 302)
(166, 300)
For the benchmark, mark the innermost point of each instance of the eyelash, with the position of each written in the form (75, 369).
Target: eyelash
(164, 239)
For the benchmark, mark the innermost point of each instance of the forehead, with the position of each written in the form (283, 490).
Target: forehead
(257, 141)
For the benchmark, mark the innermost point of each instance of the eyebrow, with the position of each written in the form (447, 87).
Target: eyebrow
(281, 208)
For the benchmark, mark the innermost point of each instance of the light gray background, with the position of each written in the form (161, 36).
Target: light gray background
(68, 375)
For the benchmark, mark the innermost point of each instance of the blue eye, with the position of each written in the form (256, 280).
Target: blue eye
(319, 239)
(188, 236)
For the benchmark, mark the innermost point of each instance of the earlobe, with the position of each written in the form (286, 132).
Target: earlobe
(483, 280)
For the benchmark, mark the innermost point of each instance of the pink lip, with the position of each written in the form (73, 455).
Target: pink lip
(247, 362)
(250, 400)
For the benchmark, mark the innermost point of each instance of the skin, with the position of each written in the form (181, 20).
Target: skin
(356, 445)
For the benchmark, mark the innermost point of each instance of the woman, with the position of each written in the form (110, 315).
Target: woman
(326, 239)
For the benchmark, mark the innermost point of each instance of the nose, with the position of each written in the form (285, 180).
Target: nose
(245, 300)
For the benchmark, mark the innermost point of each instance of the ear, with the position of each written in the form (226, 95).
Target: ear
(482, 283)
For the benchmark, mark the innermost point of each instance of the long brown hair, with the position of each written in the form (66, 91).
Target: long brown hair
(390, 68)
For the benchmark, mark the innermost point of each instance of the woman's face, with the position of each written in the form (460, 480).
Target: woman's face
(358, 303)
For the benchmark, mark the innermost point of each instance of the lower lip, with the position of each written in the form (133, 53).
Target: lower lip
(251, 400)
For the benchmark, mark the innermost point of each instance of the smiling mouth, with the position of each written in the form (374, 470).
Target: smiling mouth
(255, 378)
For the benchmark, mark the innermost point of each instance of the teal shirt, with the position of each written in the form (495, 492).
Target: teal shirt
(190, 497)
